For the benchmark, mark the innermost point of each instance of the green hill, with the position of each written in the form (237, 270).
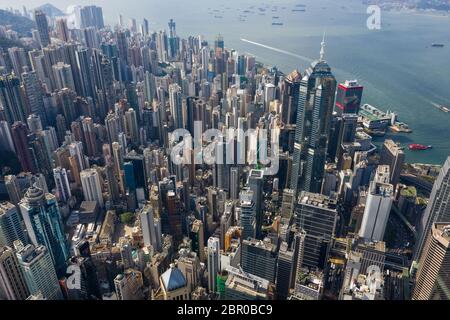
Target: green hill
(20, 24)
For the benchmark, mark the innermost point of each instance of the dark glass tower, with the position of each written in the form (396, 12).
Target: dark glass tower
(314, 115)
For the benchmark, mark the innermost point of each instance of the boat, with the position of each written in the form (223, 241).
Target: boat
(419, 147)
(442, 107)
(437, 45)
(400, 127)
(275, 17)
(277, 23)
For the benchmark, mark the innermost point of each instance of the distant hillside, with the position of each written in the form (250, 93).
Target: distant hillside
(20, 24)
(5, 44)
(50, 10)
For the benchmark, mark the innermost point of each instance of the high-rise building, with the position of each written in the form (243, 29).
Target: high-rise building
(13, 188)
(62, 184)
(259, 258)
(317, 215)
(11, 99)
(62, 30)
(213, 251)
(6, 141)
(92, 188)
(11, 228)
(290, 97)
(149, 228)
(42, 26)
(433, 280)
(176, 105)
(348, 97)
(285, 271)
(438, 209)
(392, 155)
(12, 281)
(18, 59)
(44, 226)
(91, 16)
(314, 115)
(256, 184)
(241, 285)
(247, 210)
(198, 239)
(19, 132)
(38, 270)
(33, 93)
(63, 76)
(378, 206)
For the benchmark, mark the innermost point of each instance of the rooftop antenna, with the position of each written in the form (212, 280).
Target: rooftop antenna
(322, 48)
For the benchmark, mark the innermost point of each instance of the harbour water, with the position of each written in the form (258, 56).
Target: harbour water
(399, 68)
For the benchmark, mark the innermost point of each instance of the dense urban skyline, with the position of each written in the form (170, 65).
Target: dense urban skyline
(140, 165)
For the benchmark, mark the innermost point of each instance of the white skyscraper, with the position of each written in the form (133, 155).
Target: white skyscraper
(92, 188)
(378, 206)
(149, 228)
(62, 184)
(213, 262)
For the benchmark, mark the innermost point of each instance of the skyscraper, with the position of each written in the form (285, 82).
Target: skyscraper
(213, 251)
(433, 280)
(38, 270)
(348, 97)
(19, 134)
(438, 209)
(247, 210)
(378, 206)
(256, 184)
(33, 92)
(317, 215)
(285, 271)
(42, 27)
(176, 105)
(290, 97)
(62, 30)
(393, 156)
(62, 184)
(91, 16)
(11, 228)
(259, 258)
(148, 226)
(11, 100)
(314, 114)
(44, 226)
(92, 188)
(12, 281)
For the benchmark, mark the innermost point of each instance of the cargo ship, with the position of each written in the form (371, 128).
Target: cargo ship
(419, 147)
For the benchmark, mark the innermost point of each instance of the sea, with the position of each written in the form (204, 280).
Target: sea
(397, 65)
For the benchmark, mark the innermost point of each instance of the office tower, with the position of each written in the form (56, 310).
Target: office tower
(38, 270)
(13, 188)
(244, 286)
(86, 73)
(44, 226)
(348, 97)
(256, 184)
(92, 188)
(247, 217)
(378, 206)
(314, 114)
(316, 215)
(198, 239)
(62, 184)
(176, 105)
(145, 27)
(213, 251)
(172, 40)
(259, 258)
(42, 27)
(285, 271)
(62, 30)
(131, 126)
(149, 227)
(11, 228)
(6, 141)
(12, 281)
(393, 156)
(438, 209)
(18, 59)
(288, 203)
(19, 134)
(290, 97)
(63, 76)
(11, 99)
(33, 93)
(343, 132)
(91, 16)
(129, 285)
(432, 280)
(173, 284)
(91, 38)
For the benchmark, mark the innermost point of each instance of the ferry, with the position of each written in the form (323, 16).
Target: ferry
(400, 127)
(437, 45)
(419, 147)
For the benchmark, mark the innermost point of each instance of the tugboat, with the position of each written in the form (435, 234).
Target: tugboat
(419, 147)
